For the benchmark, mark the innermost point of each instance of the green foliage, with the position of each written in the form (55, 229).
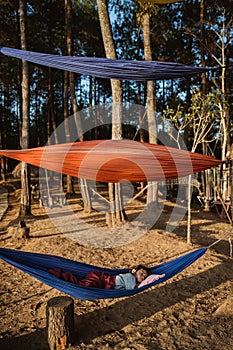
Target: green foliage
(203, 118)
(205, 108)
(146, 8)
(175, 36)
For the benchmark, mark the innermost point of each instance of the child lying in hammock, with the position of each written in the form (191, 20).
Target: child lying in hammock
(137, 277)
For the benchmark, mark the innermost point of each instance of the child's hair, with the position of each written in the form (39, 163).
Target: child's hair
(139, 267)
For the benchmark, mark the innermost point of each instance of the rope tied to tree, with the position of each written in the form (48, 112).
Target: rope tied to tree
(229, 236)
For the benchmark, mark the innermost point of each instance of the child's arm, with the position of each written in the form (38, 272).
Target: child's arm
(150, 279)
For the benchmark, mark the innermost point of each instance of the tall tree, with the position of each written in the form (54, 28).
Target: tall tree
(214, 38)
(147, 10)
(68, 22)
(202, 40)
(2, 160)
(25, 201)
(201, 119)
(117, 214)
(69, 41)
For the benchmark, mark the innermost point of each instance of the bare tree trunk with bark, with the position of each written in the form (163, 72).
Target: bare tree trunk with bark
(25, 201)
(151, 108)
(117, 214)
(68, 20)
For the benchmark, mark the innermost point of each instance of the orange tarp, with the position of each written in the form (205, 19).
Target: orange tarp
(115, 160)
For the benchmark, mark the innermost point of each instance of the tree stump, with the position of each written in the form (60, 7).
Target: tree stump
(60, 322)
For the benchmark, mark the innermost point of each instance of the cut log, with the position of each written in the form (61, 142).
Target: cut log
(60, 323)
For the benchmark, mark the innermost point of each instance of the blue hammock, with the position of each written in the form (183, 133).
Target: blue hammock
(109, 68)
(37, 266)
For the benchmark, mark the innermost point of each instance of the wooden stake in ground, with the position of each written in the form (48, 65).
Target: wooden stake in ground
(60, 322)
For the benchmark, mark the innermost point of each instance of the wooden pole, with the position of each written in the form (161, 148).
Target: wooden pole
(231, 184)
(60, 322)
(224, 207)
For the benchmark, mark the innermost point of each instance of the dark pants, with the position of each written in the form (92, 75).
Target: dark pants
(95, 279)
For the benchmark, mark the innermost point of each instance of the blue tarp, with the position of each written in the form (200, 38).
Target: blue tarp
(108, 68)
(37, 265)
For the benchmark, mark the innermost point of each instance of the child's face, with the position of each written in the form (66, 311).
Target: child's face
(140, 275)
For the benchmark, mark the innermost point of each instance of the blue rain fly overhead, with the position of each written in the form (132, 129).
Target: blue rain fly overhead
(108, 68)
(37, 266)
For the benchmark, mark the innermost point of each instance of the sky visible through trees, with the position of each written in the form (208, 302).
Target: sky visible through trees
(178, 34)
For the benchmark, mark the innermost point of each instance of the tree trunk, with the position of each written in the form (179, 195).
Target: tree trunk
(86, 195)
(69, 187)
(207, 183)
(3, 132)
(69, 181)
(189, 209)
(231, 180)
(225, 118)
(152, 127)
(68, 7)
(25, 201)
(2, 160)
(202, 40)
(117, 215)
(207, 189)
(83, 182)
(60, 323)
(53, 136)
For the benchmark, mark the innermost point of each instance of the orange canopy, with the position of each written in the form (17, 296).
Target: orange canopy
(115, 160)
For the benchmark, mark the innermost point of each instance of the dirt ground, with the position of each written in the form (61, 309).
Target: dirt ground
(193, 310)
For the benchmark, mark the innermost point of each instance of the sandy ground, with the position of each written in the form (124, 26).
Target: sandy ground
(193, 310)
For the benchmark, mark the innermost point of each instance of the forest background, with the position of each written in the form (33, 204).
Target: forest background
(190, 32)
(192, 312)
